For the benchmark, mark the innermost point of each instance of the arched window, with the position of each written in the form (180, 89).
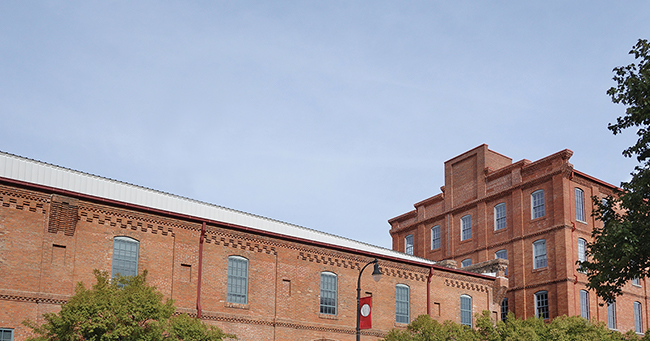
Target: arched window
(402, 303)
(125, 256)
(504, 309)
(502, 254)
(466, 310)
(580, 204)
(500, 216)
(611, 315)
(582, 252)
(584, 304)
(408, 244)
(237, 290)
(539, 254)
(541, 304)
(466, 262)
(466, 227)
(638, 318)
(537, 204)
(328, 293)
(435, 237)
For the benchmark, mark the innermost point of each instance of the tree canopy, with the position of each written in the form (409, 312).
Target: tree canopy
(563, 328)
(125, 308)
(620, 251)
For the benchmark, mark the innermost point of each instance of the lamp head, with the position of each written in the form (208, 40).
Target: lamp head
(376, 274)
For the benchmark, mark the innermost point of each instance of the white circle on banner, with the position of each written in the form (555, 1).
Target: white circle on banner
(365, 310)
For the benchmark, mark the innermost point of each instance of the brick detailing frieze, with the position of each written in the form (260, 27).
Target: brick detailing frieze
(64, 214)
(465, 285)
(22, 200)
(123, 219)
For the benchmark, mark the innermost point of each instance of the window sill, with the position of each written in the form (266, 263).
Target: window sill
(500, 230)
(539, 218)
(400, 325)
(236, 305)
(581, 221)
(540, 269)
(328, 316)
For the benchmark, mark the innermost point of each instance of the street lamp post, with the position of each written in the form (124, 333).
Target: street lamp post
(376, 275)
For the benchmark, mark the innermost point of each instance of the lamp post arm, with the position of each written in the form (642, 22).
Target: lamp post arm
(359, 298)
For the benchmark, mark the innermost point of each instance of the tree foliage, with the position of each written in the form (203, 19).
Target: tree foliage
(621, 248)
(126, 308)
(562, 328)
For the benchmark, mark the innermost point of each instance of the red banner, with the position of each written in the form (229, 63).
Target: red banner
(365, 313)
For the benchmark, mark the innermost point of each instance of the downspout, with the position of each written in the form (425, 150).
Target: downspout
(429, 291)
(198, 285)
(573, 251)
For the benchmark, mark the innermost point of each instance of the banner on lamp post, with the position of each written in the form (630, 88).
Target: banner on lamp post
(365, 312)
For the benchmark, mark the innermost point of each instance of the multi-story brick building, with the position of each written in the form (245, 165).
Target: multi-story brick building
(258, 278)
(535, 214)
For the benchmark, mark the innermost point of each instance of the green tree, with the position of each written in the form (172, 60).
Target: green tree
(126, 308)
(621, 248)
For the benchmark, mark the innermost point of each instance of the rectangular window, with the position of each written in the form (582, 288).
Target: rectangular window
(541, 304)
(466, 310)
(584, 304)
(638, 322)
(466, 262)
(582, 252)
(408, 244)
(580, 204)
(611, 315)
(502, 254)
(435, 237)
(6, 334)
(539, 254)
(237, 289)
(402, 304)
(636, 281)
(328, 296)
(537, 201)
(504, 309)
(466, 227)
(500, 216)
(125, 256)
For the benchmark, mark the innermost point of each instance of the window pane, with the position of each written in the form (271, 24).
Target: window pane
(638, 323)
(584, 304)
(6, 334)
(237, 290)
(125, 256)
(539, 254)
(502, 254)
(537, 199)
(402, 305)
(580, 204)
(435, 237)
(504, 309)
(611, 315)
(466, 227)
(500, 216)
(408, 244)
(541, 304)
(328, 293)
(466, 262)
(466, 310)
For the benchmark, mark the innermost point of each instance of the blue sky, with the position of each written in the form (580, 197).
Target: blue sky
(334, 115)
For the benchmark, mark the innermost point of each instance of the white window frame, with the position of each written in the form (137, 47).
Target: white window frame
(466, 262)
(502, 254)
(500, 221)
(636, 281)
(539, 254)
(435, 237)
(611, 315)
(542, 304)
(408, 244)
(402, 303)
(579, 195)
(582, 252)
(6, 334)
(126, 256)
(328, 293)
(466, 227)
(537, 204)
(638, 318)
(237, 282)
(584, 304)
(465, 313)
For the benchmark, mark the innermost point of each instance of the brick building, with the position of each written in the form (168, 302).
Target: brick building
(537, 215)
(260, 279)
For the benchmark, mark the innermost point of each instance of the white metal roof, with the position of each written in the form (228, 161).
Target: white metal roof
(41, 173)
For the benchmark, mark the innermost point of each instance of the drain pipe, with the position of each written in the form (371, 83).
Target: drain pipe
(198, 285)
(429, 291)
